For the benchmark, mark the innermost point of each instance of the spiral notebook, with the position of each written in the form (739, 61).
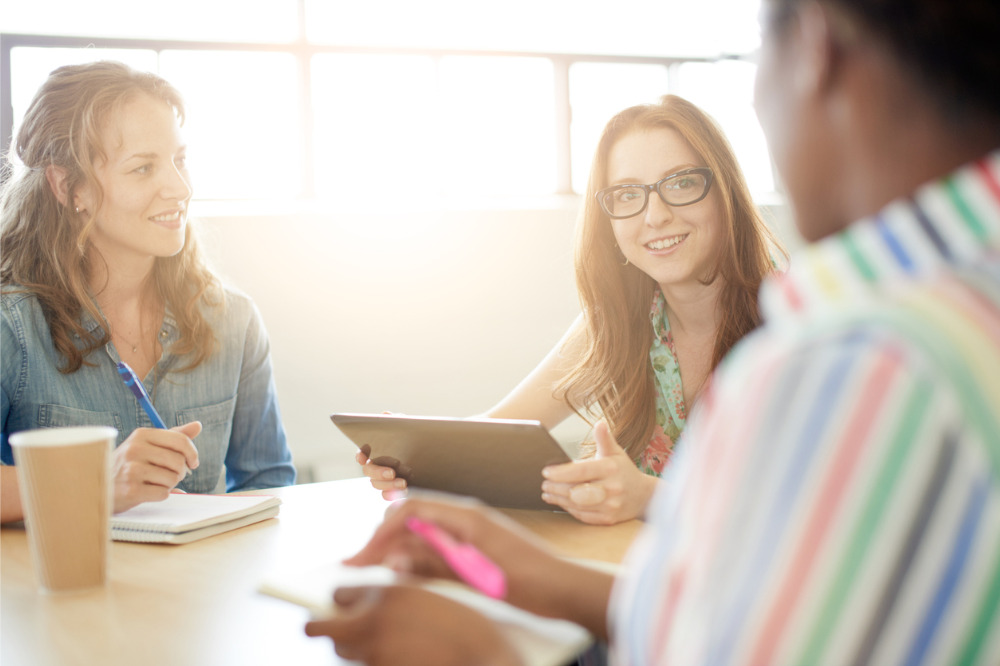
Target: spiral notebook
(182, 518)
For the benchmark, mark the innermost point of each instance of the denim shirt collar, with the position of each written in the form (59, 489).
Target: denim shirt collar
(169, 331)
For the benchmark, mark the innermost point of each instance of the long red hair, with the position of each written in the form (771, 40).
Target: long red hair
(614, 376)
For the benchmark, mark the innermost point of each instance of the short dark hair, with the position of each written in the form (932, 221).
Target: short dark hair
(949, 46)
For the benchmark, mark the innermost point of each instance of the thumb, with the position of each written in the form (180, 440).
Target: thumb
(189, 430)
(605, 441)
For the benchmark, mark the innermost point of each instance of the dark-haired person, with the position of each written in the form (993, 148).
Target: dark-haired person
(836, 495)
(100, 265)
(670, 253)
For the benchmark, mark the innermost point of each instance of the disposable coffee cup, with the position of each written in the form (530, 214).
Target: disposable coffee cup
(64, 476)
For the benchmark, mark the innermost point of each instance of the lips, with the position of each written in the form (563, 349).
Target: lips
(170, 218)
(665, 243)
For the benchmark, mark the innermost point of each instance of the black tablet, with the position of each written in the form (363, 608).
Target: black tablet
(499, 461)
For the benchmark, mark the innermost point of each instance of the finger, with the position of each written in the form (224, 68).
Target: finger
(393, 494)
(162, 476)
(389, 486)
(379, 473)
(356, 599)
(393, 534)
(586, 497)
(558, 489)
(602, 517)
(139, 460)
(352, 622)
(191, 430)
(580, 471)
(588, 494)
(136, 482)
(166, 459)
(606, 443)
(173, 440)
(126, 497)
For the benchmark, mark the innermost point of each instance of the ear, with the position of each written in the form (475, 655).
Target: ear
(56, 175)
(820, 53)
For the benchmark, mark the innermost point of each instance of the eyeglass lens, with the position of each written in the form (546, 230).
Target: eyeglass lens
(677, 190)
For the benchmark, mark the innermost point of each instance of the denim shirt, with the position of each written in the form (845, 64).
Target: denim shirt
(231, 392)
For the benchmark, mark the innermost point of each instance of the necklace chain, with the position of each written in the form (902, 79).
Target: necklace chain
(134, 346)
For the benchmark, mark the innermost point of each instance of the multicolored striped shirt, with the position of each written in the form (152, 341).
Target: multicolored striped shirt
(836, 497)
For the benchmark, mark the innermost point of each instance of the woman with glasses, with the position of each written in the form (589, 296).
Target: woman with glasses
(100, 266)
(670, 252)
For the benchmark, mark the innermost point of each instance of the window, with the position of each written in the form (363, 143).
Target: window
(442, 100)
(241, 110)
(597, 92)
(724, 89)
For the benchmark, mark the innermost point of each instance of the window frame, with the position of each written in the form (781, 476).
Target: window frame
(303, 52)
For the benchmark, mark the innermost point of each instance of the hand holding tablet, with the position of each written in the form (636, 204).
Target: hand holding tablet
(499, 461)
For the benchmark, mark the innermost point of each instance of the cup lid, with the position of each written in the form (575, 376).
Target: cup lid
(62, 436)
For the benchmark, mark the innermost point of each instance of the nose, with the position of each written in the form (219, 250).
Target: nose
(176, 184)
(657, 211)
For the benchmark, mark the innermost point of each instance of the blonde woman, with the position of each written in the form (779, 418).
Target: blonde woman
(100, 265)
(670, 253)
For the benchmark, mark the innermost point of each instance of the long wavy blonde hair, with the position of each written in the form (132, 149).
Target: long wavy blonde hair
(615, 377)
(46, 246)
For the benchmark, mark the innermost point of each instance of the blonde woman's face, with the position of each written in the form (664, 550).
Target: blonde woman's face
(146, 185)
(674, 245)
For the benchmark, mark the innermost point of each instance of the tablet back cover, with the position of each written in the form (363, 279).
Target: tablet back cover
(499, 461)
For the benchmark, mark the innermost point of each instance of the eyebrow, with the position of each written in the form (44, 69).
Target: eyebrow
(628, 180)
(149, 156)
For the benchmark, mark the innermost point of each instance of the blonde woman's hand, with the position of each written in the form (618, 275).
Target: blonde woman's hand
(602, 490)
(151, 462)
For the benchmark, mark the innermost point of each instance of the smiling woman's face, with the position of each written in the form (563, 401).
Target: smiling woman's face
(674, 245)
(145, 182)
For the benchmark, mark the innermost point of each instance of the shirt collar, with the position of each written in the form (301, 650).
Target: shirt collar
(91, 324)
(950, 222)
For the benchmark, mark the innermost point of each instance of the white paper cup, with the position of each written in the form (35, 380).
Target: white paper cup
(64, 476)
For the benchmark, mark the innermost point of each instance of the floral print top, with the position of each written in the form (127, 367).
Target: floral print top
(671, 412)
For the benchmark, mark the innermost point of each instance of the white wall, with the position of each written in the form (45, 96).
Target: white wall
(434, 312)
(423, 313)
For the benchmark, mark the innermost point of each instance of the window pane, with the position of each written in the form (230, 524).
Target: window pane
(217, 20)
(725, 90)
(642, 27)
(497, 126)
(374, 127)
(597, 91)
(29, 67)
(242, 122)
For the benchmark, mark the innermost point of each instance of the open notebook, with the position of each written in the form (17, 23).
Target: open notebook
(541, 641)
(187, 517)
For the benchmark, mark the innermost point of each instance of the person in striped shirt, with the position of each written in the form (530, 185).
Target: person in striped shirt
(836, 495)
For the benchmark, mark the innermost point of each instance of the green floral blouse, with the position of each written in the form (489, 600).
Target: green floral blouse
(671, 413)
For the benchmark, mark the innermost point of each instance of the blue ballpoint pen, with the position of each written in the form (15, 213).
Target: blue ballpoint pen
(139, 391)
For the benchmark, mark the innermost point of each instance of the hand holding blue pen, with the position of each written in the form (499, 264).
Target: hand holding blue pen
(139, 391)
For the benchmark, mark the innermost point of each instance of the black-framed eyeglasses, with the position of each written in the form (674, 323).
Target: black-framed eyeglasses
(678, 189)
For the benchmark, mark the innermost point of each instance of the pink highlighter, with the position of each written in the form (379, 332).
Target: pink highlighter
(465, 559)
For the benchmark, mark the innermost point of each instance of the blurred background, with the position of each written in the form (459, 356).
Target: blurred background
(396, 182)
